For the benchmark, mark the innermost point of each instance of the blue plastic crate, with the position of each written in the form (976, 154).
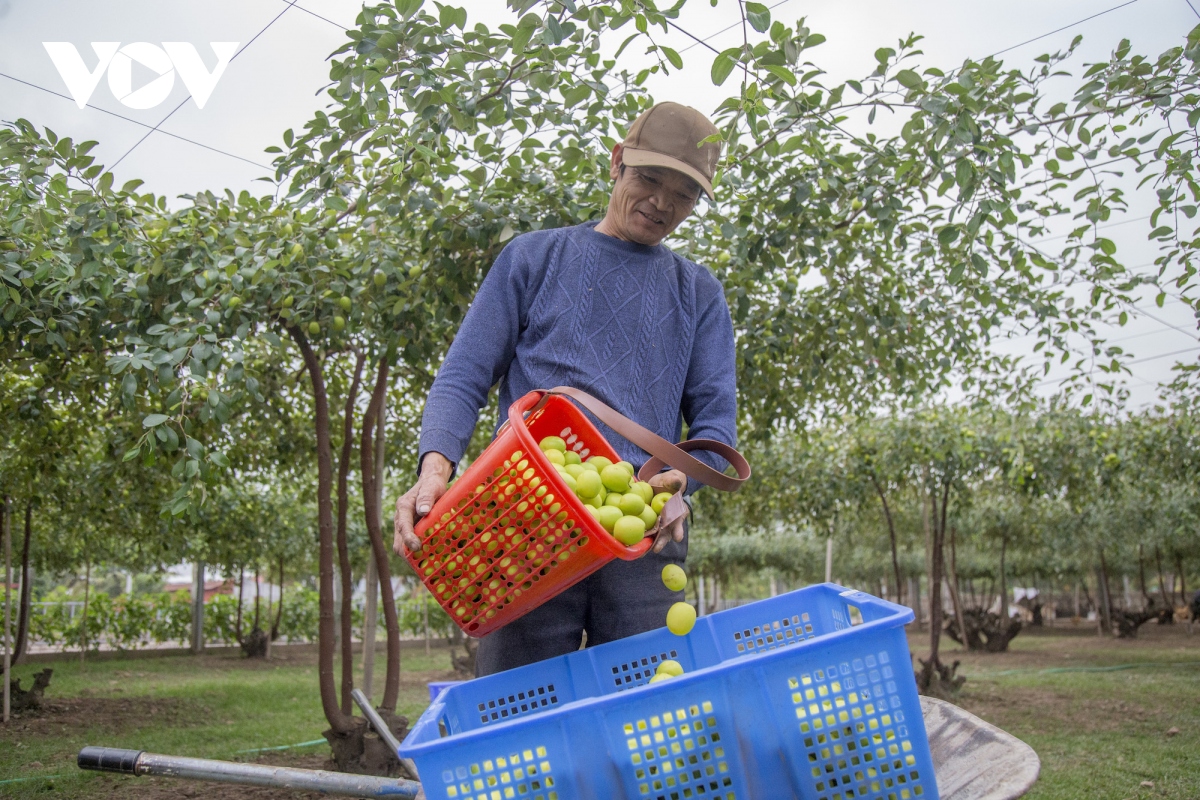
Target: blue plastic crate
(437, 687)
(809, 695)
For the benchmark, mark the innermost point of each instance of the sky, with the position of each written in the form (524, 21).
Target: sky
(275, 82)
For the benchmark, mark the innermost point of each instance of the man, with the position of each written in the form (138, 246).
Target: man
(606, 308)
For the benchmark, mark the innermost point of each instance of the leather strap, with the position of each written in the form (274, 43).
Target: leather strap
(664, 453)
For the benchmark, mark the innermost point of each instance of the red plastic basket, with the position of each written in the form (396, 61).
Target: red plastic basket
(509, 534)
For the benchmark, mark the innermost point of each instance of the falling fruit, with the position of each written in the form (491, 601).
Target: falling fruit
(681, 618)
(670, 667)
(674, 578)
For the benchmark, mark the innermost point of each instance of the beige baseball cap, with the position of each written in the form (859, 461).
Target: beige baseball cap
(670, 135)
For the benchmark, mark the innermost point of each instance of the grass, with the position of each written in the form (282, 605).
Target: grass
(210, 707)
(1100, 734)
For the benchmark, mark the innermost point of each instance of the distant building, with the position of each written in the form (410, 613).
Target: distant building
(211, 588)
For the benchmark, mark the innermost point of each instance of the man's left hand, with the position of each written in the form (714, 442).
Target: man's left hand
(670, 482)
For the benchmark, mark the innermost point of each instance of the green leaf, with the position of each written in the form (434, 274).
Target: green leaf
(154, 419)
(554, 31)
(724, 64)
(956, 273)
(759, 16)
(675, 59)
(785, 75)
(219, 459)
(909, 79)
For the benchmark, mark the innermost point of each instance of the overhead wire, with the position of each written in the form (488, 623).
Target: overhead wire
(705, 40)
(134, 121)
(1065, 27)
(290, 4)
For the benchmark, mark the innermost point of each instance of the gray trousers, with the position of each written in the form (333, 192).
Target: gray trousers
(624, 598)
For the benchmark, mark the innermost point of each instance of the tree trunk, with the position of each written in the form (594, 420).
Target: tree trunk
(87, 588)
(935, 584)
(935, 678)
(373, 514)
(1003, 578)
(1162, 581)
(953, 583)
(6, 534)
(1105, 595)
(340, 723)
(237, 625)
(887, 513)
(1183, 601)
(257, 601)
(1142, 579)
(279, 609)
(343, 548)
(23, 601)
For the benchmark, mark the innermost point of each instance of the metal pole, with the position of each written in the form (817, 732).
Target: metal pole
(7, 609)
(133, 762)
(829, 559)
(381, 728)
(198, 608)
(700, 596)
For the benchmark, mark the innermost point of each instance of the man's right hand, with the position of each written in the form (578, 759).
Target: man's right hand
(418, 501)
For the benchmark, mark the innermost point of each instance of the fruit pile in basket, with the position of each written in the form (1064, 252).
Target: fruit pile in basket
(624, 506)
(627, 508)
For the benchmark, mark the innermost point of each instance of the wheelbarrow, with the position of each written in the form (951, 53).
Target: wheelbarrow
(972, 760)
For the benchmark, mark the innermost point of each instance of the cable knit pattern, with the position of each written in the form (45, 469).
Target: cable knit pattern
(641, 328)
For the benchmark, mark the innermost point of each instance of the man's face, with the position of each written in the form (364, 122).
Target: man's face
(648, 203)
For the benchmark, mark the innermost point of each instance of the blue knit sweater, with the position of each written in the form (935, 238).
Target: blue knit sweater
(641, 328)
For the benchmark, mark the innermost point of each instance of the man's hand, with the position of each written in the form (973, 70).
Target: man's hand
(419, 500)
(670, 482)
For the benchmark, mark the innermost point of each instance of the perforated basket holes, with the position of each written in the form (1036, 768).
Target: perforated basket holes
(518, 703)
(679, 754)
(575, 443)
(639, 671)
(773, 634)
(527, 773)
(855, 742)
(500, 540)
